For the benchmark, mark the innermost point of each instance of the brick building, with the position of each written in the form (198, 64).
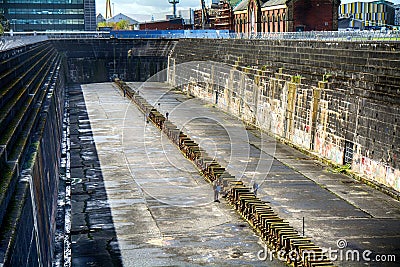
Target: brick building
(170, 24)
(251, 16)
(220, 17)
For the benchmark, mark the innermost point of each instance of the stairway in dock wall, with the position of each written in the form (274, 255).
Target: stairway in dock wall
(31, 94)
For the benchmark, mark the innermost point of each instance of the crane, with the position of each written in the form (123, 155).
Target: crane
(174, 2)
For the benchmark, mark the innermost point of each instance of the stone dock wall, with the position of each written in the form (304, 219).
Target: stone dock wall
(31, 104)
(32, 89)
(98, 60)
(337, 100)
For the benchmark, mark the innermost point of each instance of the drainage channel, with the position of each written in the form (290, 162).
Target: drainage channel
(62, 255)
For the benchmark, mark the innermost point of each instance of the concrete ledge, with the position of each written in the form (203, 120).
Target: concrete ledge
(378, 186)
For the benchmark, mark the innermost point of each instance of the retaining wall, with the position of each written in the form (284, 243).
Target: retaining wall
(337, 100)
(31, 103)
(98, 60)
(32, 82)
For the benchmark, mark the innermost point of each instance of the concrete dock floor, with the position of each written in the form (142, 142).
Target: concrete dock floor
(137, 201)
(137, 196)
(336, 208)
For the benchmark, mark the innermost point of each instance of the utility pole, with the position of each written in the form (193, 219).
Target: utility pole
(174, 2)
(204, 15)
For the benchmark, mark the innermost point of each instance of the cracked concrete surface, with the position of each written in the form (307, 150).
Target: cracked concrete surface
(93, 237)
(161, 207)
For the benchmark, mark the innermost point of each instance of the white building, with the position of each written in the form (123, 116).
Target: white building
(100, 18)
(120, 16)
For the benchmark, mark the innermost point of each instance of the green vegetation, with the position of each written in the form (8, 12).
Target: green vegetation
(123, 25)
(120, 25)
(296, 79)
(4, 24)
(341, 169)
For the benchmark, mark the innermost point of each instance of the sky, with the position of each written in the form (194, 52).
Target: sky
(143, 10)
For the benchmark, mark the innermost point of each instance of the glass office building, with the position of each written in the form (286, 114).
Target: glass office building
(50, 15)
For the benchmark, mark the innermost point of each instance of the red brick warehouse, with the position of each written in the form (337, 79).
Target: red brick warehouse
(170, 24)
(253, 16)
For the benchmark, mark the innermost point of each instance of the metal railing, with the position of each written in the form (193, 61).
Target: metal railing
(350, 36)
(11, 40)
(79, 35)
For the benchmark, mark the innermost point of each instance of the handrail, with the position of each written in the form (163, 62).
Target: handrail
(15, 39)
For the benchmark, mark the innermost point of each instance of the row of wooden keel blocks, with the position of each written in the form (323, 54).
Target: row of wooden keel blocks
(171, 131)
(247, 204)
(274, 230)
(157, 118)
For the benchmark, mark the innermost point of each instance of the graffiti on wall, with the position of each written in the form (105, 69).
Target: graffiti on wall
(327, 145)
(273, 116)
(314, 117)
(377, 171)
(302, 137)
(302, 118)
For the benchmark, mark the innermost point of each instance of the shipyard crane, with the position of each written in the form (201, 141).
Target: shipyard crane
(174, 2)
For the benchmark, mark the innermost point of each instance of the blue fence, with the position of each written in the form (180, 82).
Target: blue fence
(363, 36)
(10, 40)
(172, 34)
